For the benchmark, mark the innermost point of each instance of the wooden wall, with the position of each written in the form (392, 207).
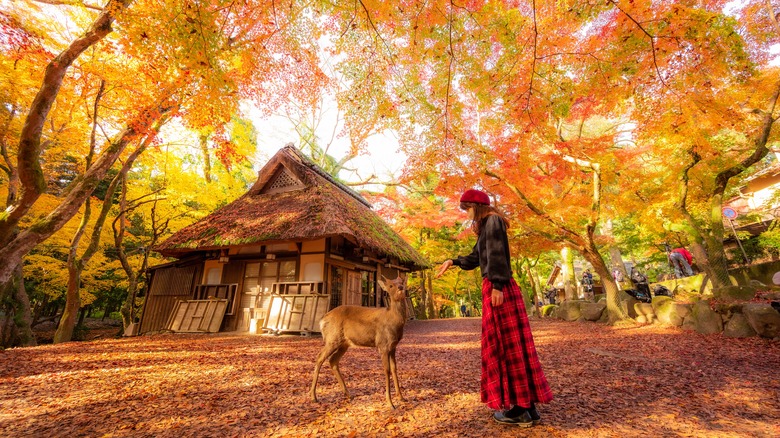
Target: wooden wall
(167, 286)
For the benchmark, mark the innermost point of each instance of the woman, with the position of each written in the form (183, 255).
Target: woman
(512, 380)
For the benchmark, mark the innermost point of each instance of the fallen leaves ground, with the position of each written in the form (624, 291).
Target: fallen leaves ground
(608, 381)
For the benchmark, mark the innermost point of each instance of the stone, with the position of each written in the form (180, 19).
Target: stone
(757, 284)
(764, 319)
(641, 319)
(728, 309)
(644, 309)
(570, 310)
(705, 320)
(688, 323)
(627, 302)
(670, 312)
(592, 311)
(659, 301)
(549, 309)
(599, 297)
(731, 293)
(738, 327)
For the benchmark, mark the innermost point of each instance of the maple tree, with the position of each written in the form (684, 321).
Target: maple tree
(571, 115)
(198, 69)
(515, 99)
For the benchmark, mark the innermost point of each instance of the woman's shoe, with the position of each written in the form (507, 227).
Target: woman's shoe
(535, 417)
(523, 420)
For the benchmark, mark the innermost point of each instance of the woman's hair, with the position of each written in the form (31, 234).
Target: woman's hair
(481, 213)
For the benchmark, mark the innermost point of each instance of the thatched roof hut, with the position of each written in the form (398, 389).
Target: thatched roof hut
(293, 200)
(296, 229)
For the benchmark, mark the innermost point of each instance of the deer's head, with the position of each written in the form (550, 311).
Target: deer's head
(396, 289)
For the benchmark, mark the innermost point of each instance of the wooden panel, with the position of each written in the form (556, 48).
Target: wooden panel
(166, 286)
(197, 316)
(157, 310)
(296, 312)
(225, 291)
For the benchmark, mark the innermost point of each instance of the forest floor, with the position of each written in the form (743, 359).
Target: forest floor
(607, 381)
(94, 328)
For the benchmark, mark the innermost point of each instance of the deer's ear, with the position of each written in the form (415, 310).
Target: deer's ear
(382, 283)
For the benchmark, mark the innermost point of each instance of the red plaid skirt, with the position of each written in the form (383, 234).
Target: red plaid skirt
(511, 372)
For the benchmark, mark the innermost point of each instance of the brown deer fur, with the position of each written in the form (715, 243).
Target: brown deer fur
(382, 328)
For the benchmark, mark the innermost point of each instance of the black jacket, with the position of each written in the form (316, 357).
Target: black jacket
(491, 253)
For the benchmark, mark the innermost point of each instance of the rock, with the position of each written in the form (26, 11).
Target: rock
(734, 293)
(549, 309)
(705, 320)
(738, 327)
(757, 284)
(659, 301)
(728, 309)
(645, 313)
(644, 309)
(570, 310)
(599, 297)
(763, 319)
(627, 302)
(688, 323)
(592, 311)
(670, 312)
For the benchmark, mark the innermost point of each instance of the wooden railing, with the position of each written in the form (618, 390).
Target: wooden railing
(297, 287)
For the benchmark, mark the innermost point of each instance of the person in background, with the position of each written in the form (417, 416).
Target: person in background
(617, 274)
(587, 284)
(640, 280)
(512, 380)
(681, 261)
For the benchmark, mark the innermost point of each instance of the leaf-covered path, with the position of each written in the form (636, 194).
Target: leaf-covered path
(607, 381)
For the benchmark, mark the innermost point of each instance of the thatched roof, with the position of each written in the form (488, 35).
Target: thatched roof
(293, 200)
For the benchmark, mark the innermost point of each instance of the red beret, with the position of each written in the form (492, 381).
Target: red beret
(475, 196)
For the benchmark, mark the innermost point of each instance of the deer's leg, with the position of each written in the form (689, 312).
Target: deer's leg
(386, 365)
(334, 365)
(394, 371)
(326, 352)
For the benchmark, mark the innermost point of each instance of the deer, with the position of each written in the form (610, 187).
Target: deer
(380, 328)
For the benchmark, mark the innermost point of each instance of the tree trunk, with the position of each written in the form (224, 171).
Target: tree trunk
(127, 306)
(567, 272)
(430, 306)
(16, 318)
(204, 149)
(614, 307)
(617, 261)
(534, 287)
(67, 323)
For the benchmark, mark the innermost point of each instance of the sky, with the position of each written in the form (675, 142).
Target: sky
(382, 158)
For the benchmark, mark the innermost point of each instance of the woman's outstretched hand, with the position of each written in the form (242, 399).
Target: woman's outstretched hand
(443, 268)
